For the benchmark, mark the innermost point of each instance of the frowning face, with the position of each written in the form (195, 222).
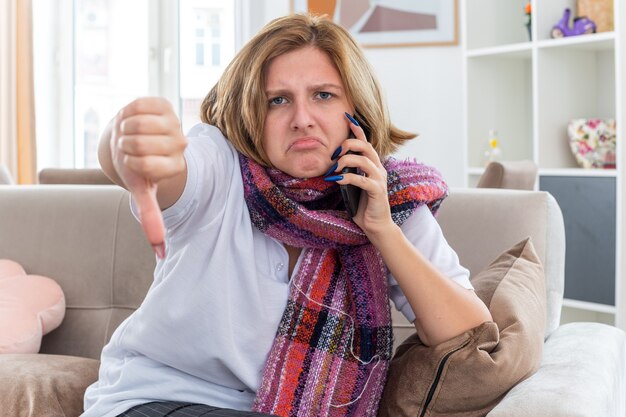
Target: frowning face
(305, 119)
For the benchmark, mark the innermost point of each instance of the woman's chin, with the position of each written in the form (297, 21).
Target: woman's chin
(304, 174)
(308, 168)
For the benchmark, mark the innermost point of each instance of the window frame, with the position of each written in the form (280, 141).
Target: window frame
(55, 69)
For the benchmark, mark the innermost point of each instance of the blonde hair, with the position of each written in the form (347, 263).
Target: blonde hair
(237, 104)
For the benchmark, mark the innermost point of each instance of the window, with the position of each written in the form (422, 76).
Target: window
(200, 54)
(216, 40)
(108, 71)
(94, 56)
(206, 46)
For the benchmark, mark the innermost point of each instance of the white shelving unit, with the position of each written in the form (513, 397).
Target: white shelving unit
(528, 90)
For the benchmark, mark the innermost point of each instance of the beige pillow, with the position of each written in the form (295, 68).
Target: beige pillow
(469, 374)
(44, 385)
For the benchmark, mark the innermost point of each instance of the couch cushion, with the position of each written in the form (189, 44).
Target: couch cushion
(86, 238)
(30, 306)
(73, 176)
(33, 385)
(469, 374)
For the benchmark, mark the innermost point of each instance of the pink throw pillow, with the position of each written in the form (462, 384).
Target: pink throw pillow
(30, 307)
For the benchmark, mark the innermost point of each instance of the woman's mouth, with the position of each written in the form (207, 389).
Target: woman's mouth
(305, 143)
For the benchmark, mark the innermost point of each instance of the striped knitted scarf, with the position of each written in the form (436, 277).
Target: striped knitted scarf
(333, 345)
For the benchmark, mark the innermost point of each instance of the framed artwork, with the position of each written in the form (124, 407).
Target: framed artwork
(388, 23)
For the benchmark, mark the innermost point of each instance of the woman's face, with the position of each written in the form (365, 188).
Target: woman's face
(305, 119)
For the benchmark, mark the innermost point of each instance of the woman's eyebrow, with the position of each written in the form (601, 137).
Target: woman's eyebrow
(313, 87)
(325, 86)
(277, 92)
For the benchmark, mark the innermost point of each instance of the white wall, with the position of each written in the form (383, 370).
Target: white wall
(423, 87)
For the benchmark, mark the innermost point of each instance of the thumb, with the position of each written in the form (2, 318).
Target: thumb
(151, 217)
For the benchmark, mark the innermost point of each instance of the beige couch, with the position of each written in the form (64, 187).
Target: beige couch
(86, 239)
(5, 176)
(73, 176)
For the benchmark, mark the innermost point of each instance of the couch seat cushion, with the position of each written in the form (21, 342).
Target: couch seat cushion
(38, 385)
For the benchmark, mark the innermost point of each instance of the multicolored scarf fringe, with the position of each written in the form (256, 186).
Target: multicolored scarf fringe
(333, 346)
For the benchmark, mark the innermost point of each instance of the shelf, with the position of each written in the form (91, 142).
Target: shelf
(560, 172)
(576, 172)
(518, 50)
(529, 91)
(594, 42)
(584, 305)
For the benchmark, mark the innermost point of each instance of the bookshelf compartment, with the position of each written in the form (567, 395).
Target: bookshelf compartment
(498, 100)
(572, 83)
(495, 22)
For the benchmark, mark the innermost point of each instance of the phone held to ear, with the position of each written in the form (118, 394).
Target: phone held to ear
(351, 194)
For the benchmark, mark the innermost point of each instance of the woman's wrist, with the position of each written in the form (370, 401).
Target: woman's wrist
(385, 236)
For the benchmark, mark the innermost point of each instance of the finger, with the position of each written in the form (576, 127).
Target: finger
(143, 145)
(363, 148)
(148, 105)
(369, 185)
(153, 167)
(356, 129)
(366, 165)
(150, 217)
(117, 122)
(358, 132)
(146, 124)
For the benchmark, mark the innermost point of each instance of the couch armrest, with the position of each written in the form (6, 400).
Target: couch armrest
(583, 373)
(481, 223)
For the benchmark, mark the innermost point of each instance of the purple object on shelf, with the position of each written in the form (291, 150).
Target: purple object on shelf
(581, 25)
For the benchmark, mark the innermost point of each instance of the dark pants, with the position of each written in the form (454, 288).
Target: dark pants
(179, 409)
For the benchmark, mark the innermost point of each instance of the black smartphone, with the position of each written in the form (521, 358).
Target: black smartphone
(351, 194)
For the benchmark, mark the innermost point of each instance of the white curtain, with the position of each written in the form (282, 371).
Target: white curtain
(17, 110)
(8, 110)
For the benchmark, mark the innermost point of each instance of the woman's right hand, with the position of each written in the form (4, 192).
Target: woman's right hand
(147, 147)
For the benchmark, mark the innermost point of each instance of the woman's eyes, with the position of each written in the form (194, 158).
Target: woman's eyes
(276, 101)
(324, 95)
(280, 100)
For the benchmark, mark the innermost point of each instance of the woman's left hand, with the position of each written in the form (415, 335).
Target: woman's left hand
(374, 214)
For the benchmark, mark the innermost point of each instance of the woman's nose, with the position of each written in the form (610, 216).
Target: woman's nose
(302, 117)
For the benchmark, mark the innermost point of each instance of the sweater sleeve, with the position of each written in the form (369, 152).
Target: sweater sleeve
(211, 162)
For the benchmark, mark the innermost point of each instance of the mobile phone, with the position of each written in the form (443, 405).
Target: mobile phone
(351, 194)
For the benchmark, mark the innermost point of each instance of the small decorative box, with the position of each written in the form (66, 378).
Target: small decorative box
(600, 11)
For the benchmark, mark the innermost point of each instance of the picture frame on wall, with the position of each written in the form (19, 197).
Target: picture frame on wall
(391, 23)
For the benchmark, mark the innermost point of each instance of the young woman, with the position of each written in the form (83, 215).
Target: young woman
(268, 296)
